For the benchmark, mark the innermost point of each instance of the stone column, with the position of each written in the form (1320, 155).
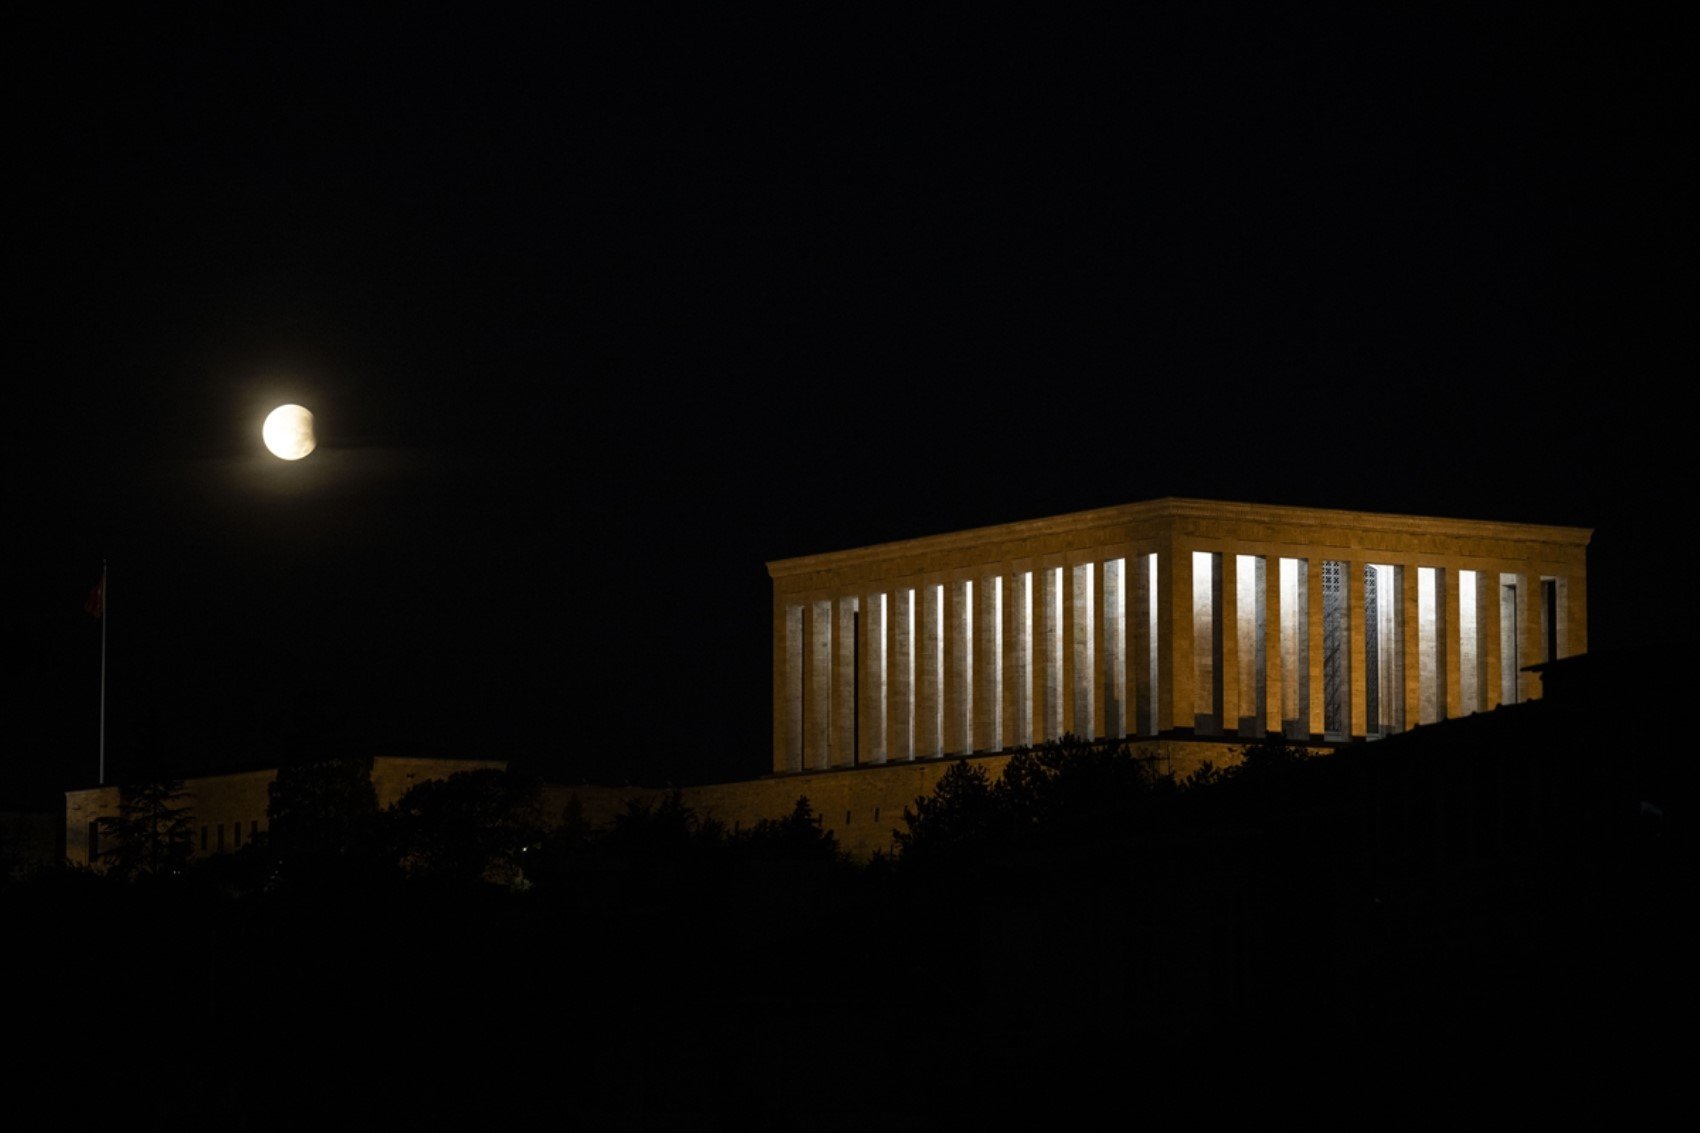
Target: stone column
(988, 663)
(788, 679)
(1068, 615)
(1174, 628)
(1225, 594)
(1018, 658)
(817, 688)
(1451, 645)
(958, 668)
(1050, 680)
(1141, 673)
(929, 662)
(1100, 650)
(873, 709)
(1113, 649)
(844, 682)
(900, 684)
(1274, 661)
(1487, 633)
(1573, 604)
(1359, 658)
(1318, 701)
(1410, 639)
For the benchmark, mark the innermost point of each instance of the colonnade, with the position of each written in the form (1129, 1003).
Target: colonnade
(1181, 633)
(983, 661)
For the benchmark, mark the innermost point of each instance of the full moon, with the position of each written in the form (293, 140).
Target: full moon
(288, 432)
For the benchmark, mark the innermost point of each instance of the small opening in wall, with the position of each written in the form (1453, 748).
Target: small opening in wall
(1471, 674)
(1509, 659)
(1431, 643)
(1549, 619)
(1115, 648)
(1295, 646)
(1251, 637)
(1384, 650)
(1336, 672)
(1207, 642)
(1052, 620)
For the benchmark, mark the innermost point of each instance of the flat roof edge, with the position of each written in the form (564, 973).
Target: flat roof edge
(1179, 508)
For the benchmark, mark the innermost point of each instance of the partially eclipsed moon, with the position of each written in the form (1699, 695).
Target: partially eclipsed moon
(288, 432)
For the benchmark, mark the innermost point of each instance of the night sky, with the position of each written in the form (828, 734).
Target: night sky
(598, 317)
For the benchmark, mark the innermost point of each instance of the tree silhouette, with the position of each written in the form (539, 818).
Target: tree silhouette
(322, 812)
(1068, 792)
(958, 820)
(666, 830)
(152, 835)
(798, 837)
(1074, 787)
(473, 826)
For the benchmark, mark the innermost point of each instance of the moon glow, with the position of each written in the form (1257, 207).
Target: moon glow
(288, 432)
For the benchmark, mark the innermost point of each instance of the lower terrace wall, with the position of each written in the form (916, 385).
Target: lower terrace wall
(862, 806)
(229, 811)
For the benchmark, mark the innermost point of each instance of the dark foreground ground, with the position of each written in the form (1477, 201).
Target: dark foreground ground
(1403, 932)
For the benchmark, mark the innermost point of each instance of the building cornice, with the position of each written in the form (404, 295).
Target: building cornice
(1174, 509)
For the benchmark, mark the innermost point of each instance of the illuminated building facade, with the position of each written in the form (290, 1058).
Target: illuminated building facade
(1175, 620)
(1186, 626)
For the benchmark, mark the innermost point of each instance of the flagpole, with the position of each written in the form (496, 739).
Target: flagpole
(102, 781)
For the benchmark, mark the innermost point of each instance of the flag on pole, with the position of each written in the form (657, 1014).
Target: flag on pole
(95, 605)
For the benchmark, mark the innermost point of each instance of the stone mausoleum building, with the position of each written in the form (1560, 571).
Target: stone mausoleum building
(1180, 622)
